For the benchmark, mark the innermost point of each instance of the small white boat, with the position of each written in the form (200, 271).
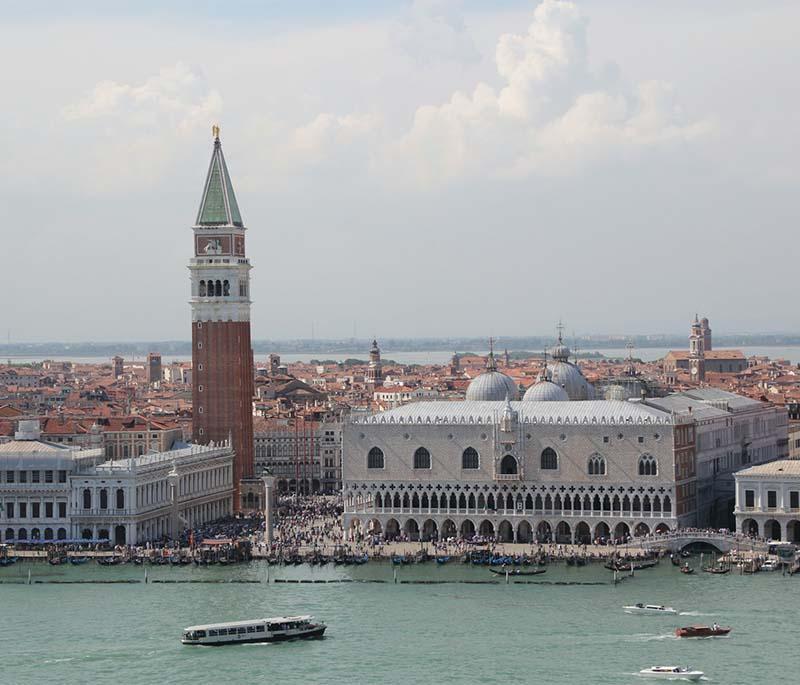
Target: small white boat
(771, 565)
(654, 609)
(671, 673)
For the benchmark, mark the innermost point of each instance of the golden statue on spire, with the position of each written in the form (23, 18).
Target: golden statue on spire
(215, 131)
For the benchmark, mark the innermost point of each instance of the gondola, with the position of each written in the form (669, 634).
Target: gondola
(77, 561)
(109, 561)
(517, 571)
(442, 560)
(57, 561)
(718, 570)
(630, 566)
(8, 561)
(687, 569)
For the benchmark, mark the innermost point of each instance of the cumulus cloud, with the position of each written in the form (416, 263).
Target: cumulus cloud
(550, 114)
(145, 124)
(177, 96)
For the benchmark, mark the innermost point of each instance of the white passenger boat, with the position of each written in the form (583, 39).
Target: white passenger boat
(274, 629)
(671, 673)
(655, 609)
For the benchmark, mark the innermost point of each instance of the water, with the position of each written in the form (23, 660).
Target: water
(647, 354)
(387, 633)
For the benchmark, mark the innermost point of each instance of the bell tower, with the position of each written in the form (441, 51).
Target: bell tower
(222, 359)
(697, 362)
(375, 368)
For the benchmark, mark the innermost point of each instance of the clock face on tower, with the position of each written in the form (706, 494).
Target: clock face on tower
(694, 370)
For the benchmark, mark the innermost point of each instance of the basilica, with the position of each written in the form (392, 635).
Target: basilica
(556, 465)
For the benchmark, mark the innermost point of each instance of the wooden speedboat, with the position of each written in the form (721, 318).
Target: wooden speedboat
(517, 571)
(702, 631)
(671, 673)
(718, 570)
(277, 629)
(651, 609)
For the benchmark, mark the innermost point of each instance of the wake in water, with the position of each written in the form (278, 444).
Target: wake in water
(692, 613)
(649, 637)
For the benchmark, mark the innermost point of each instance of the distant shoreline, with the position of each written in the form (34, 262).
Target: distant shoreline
(360, 348)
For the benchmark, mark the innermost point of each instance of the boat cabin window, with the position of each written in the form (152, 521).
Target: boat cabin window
(223, 631)
(259, 629)
(242, 630)
(251, 629)
(212, 633)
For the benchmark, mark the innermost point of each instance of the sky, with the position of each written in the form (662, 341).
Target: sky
(425, 168)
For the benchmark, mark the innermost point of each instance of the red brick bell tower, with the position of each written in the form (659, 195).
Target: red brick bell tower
(222, 361)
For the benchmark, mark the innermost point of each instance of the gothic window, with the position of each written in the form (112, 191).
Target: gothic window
(597, 465)
(218, 288)
(202, 288)
(87, 498)
(120, 498)
(470, 459)
(226, 288)
(508, 465)
(375, 458)
(422, 458)
(549, 459)
(104, 499)
(648, 466)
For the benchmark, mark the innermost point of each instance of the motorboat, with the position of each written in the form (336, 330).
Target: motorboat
(687, 569)
(652, 609)
(671, 673)
(276, 629)
(702, 631)
(771, 565)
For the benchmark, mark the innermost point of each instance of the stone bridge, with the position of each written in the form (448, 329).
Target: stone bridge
(722, 542)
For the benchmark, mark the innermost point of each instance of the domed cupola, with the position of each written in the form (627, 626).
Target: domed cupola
(567, 375)
(492, 385)
(544, 390)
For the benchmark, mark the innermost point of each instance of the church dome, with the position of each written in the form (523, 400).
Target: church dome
(560, 352)
(546, 391)
(569, 377)
(492, 386)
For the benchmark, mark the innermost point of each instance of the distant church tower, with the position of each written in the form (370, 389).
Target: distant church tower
(697, 363)
(706, 331)
(222, 360)
(375, 368)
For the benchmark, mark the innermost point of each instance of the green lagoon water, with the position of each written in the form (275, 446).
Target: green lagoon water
(395, 633)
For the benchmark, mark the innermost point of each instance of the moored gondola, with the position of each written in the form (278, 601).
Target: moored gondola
(517, 571)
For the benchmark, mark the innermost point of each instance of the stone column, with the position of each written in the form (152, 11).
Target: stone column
(172, 480)
(269, 507)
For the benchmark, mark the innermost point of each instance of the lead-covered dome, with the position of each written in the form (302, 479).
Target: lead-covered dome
(492, 385)
(545, 391)
(569, 377)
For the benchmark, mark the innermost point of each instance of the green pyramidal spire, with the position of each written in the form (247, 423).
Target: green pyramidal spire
(218, 206)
